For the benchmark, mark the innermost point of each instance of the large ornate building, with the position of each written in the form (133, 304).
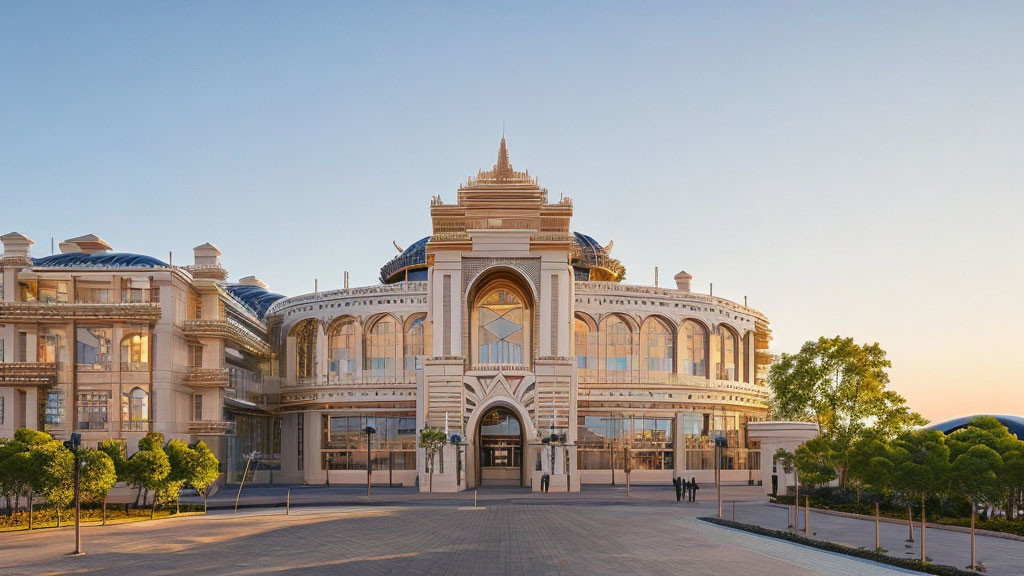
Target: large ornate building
(520, 337)
(505, 327)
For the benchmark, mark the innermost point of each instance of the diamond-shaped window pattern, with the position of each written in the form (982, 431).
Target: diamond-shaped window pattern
(500, 333)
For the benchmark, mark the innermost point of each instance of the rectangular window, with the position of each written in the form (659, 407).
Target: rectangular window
(93, 349)
(2, 351)
(446, 306)
(554, 315)
(195, 355)
(604, 440)
(53, 291)
(93, 293)
(300, 439)
(22, 351)
(197, 407)
(393, 446)
(92, 409)
(1, 410)
(135, 290)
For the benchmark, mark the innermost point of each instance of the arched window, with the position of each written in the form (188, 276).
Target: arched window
(585, 345)
(414, 344)
(305, 348)
(135, 352)
(659, 346)
(135, 405)
(727, 359)
(382, 348)
(747, 348)
(618, 345)
(343, 340)
(695, 361)
(501, 332)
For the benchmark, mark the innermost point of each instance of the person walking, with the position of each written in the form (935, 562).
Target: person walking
(678, 483)
(545, 482)
(693, 489)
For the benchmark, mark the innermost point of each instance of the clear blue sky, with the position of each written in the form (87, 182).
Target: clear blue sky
(853, 168)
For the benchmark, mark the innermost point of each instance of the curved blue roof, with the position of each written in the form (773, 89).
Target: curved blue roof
(257, 300)
(412, 256)
(1015, 424)
(98, 260)
(416, 255)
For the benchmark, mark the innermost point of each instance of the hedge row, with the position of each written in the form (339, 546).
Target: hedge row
(905, 563)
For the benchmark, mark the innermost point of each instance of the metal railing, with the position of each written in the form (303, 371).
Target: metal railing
(28, 373)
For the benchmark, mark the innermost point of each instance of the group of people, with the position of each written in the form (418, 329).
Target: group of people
(684, 488)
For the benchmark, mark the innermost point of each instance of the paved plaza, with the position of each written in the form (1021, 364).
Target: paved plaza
(514, 532)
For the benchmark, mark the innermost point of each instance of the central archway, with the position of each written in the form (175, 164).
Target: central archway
(500, 448)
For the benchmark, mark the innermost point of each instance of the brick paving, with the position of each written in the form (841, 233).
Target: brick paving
(516, 533)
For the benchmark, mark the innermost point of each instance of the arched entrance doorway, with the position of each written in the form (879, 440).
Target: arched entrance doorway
(500, 441)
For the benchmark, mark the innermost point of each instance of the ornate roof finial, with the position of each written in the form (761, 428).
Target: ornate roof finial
(503, 169)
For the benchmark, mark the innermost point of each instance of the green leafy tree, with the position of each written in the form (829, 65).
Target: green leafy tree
(147, 468)
(97, 478)
(974, 474)
(922, 469)
(432, 440)
(116, 449)
(987, 431)
(814, 462)
(54, 478)
(842, 386)
(204, 469)
(181, 458)
(15, 471)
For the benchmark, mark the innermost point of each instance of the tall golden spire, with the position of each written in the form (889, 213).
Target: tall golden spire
(503, 169)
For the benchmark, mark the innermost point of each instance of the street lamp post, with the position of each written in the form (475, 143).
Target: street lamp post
(720, 442)
(370, 431)
(73, 445)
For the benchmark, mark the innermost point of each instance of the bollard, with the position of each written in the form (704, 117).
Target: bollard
(474, 498)
(288, 502)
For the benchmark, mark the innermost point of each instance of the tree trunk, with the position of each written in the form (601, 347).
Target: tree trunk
(30, 509)
(878, 542)
(58, 516)
(152, 511)
(104, 510)
(973, 508)
(137, 496)
(924, 522)
(910, 522)
(17, 501)
(204, 501)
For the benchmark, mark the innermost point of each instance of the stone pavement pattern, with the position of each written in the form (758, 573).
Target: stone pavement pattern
(1001, 556)
(529, 536)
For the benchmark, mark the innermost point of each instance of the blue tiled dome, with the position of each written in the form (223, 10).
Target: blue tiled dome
(1015, 424)
(413, 259)
(98, 260)
(257, 300)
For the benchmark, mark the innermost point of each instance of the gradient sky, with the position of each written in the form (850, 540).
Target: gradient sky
(853, 168)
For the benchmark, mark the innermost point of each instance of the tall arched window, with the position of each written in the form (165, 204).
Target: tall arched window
(343, 342)
(501, 331)
(305, 348)
(747, 349)
(659, 346)
(135, 352)
(695, 361)
(382, 348)
(727, 360)
(414, 344)
(585, 345)
(135, 405)
(618, 345)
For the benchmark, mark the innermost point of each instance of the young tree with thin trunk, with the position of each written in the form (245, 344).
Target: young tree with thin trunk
(975, 475)
(203, 471)
(432, 440)
(922, 469)
(98, 476)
